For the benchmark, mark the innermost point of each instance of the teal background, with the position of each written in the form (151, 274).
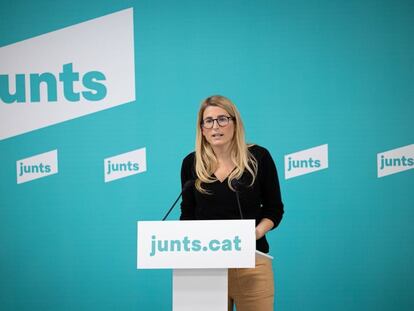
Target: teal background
(303, 73)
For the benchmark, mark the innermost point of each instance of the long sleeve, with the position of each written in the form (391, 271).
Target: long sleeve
(188, 202)
(271, 198)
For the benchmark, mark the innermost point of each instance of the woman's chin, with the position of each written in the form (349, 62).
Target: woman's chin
(219, 143)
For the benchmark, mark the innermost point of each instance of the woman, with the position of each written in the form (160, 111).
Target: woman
(222, 162)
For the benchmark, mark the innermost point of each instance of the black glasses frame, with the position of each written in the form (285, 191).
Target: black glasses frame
(218, 122)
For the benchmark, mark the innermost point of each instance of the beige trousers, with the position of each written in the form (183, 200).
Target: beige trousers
(252, 289)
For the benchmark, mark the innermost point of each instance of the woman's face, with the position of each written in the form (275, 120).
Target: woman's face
(217, 136)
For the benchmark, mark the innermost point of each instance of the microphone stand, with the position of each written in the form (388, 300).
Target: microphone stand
(236, 184)
(171, 208)
(238, 204)
(187, 184)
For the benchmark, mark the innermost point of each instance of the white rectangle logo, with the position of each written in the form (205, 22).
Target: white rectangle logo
(38, 166)
(125, 164)
(196, 244)
(395, 161)
(306, 161)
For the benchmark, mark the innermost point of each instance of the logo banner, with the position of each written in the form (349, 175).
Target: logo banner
(66, 74)
(395, 161)
(306, 161)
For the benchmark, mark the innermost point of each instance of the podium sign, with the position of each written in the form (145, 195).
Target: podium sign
(196, 244)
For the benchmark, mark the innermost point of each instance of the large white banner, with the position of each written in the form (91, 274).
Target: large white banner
(68, 73)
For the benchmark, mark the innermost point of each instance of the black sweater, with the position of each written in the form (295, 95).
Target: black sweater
(262, 200)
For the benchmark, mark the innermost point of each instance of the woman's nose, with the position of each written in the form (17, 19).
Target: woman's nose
(215, 124)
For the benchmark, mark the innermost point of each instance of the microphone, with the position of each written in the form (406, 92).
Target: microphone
(235, 183)
(187, 185)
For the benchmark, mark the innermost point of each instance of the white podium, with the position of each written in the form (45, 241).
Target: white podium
(200, 252)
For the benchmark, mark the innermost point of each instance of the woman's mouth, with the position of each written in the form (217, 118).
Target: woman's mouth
(217, 135)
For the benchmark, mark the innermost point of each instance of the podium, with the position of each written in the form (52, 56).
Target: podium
(199, 252)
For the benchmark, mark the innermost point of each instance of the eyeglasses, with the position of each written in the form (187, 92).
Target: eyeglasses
(222, 121)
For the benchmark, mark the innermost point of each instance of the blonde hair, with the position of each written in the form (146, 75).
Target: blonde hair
(206, 161)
